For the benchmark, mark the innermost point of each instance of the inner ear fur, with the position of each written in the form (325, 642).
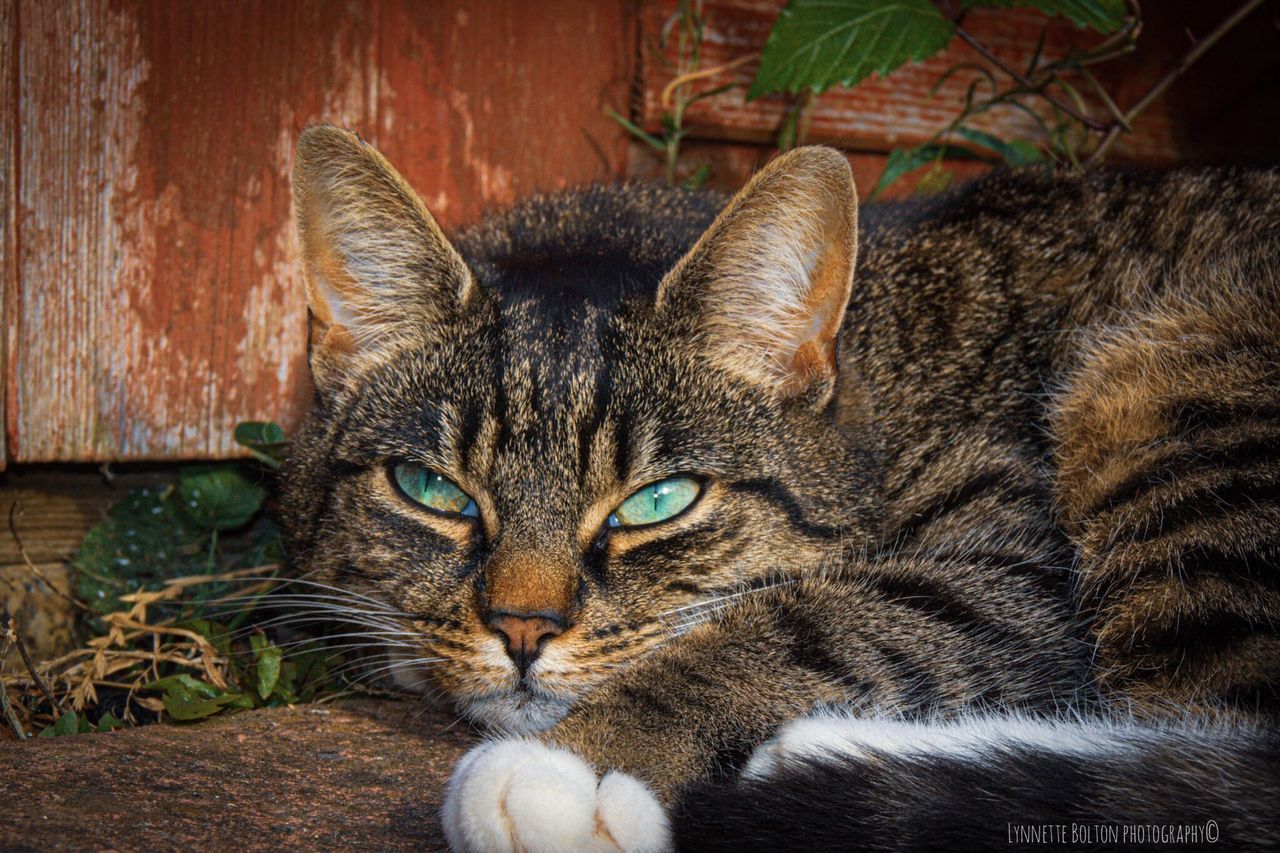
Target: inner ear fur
(379, 270)
(769, 281)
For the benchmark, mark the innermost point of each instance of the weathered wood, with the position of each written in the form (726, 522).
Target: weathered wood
(8, 170)
(361, 776)
(880, 114)
(159, 300)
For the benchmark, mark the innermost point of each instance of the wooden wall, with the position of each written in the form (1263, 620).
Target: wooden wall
(151, 295)
(155, 300)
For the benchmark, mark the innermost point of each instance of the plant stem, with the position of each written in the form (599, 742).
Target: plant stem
(1116, 128)
(14, 636)
(1022, 80)
(691, 76)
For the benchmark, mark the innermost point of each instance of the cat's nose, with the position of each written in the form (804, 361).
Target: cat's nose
(525, 633)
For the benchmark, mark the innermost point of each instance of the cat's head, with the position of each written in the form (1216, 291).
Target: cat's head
(561, 443)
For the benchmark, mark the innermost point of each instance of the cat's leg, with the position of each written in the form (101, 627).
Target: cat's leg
(1169, 459)
(977, 782)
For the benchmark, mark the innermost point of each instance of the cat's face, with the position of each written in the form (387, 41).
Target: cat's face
(551, 488)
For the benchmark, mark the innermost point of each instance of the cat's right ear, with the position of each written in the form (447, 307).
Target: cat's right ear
(379, 271)
(768, 283)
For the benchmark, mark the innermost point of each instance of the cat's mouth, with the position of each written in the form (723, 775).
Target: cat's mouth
(511, 705)
(523, 710)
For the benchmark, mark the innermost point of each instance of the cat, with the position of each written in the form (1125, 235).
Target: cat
(810, 526)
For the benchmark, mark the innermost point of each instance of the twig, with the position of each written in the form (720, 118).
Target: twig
(16, 638)
(14, 722)
(1022, 80)
(9, 715)
(22, 552)
(677, 82)
(1177, 71)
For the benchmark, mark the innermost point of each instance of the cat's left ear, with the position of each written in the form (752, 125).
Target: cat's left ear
(768, 283)
(379, 270)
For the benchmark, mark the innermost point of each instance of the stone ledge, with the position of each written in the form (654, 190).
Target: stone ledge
(365, 774)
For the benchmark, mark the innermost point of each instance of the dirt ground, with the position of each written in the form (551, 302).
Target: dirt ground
(366, 775)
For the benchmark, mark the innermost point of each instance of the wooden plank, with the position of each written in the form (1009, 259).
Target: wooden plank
(8, 187)
(493, 101)
(159, 300)
(881, 114)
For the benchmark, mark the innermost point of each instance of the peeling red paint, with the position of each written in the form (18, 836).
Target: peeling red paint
(151, 292)
(156, 294)
(8, 208)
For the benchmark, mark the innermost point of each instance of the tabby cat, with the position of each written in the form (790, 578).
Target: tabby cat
(982, 535)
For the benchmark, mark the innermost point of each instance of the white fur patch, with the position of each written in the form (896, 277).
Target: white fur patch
(519, 794)
(819, 736)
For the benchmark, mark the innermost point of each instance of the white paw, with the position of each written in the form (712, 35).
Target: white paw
(524, 795)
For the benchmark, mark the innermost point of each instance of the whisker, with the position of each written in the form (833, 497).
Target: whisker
(345, 593)
(378, 671)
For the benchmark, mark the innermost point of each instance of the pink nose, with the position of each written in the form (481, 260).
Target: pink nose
(525, 634)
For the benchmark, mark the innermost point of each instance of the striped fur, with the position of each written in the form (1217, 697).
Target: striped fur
(1043, 476)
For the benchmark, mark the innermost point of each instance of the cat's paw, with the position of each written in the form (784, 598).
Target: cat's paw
(519, 794)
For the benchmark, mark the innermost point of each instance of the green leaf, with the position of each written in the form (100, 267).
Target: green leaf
(67, 724)
(264, 439)
(220, 497)
(144, 540)
(1105, 16)
(268, 670)
(1018, 152)
(818, 43)
(200, 708)
(108, 722)
(635, 130)
(218, 635)
(184, 687)
(188, 698)
(903, 161)
(1023, 153)
(698, 178)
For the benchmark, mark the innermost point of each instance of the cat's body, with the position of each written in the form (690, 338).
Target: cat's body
(1044, 480)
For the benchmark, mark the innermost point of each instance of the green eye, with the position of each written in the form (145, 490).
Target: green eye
(433, 490)
(656, 502)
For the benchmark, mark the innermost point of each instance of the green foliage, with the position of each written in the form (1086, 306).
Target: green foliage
(818, 43)
(903, 161)
(1015, 152)
(71, 723)
(164, 575)
(188, 698)
(688, 26)
(259, 677)
(1105, 16)
(153, 535)
(264, 439)
(220, 497)
(145, 539)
